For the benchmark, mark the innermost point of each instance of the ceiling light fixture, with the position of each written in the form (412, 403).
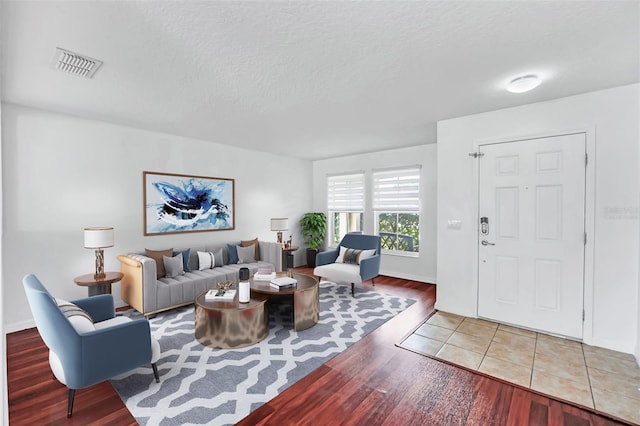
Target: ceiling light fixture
(74, 63)
(524, 83)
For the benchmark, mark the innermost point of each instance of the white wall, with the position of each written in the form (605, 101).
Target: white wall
(4, 412)
(612, 316)
(63, 173)
(422, 268)
(638, 338)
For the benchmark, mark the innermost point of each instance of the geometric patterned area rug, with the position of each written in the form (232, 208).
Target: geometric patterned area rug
(202, 385)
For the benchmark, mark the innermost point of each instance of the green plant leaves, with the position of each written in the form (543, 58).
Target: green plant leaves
(314, 229)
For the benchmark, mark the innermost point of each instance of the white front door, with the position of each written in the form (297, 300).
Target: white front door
(531, 245)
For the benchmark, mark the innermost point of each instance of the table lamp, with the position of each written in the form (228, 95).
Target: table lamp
(98, 238)
(279, 224)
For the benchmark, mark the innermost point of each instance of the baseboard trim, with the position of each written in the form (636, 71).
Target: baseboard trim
(419, 278)
(19, 326)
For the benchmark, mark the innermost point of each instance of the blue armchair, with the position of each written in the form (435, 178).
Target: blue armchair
(355, 267)
(86, 350)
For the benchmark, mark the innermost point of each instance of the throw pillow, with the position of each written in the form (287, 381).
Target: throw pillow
(255, 243)
(218, 258)
(157, 256)
(359, 256)
(205, 260)
(173, 266)
(352, 256)
(366, 254)
(232, 252)
(246, 254)
(340, 257)
(80, 319)
(185, 258)
(209, 260)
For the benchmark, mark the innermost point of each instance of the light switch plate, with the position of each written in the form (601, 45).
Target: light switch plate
(454, 224)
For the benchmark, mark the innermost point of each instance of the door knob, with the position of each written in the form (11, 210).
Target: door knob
(486, 243)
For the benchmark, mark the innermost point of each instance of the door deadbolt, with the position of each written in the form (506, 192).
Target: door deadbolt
(484, 225)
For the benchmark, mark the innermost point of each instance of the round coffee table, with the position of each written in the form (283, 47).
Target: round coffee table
(306, 298)
(230, 324)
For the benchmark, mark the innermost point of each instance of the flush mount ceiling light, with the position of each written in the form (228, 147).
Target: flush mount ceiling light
(524, 83)
(74, 63)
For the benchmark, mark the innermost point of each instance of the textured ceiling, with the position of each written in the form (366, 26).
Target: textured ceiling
(311, 79)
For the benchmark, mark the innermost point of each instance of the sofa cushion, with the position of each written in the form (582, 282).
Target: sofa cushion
(80, 319)
(218, 257)
(185, 258)
(256, 245)
(232, 253)
(205, 260)
(209, 260)
(340, 257)
(157, 256)
(366, 254)
(339, 272)
(173, 266)
(353, 256)
(246, 254)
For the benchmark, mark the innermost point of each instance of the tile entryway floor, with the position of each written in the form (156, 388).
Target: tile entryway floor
(598, 378)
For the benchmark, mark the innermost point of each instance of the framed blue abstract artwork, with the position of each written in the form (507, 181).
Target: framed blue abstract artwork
(181, 203)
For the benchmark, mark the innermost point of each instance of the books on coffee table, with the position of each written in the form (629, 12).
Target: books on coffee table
(264, 277)
(283, 282)
(264, 273)
(215, 295)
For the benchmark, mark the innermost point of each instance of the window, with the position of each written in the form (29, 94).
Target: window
(345, 204)
(396, 206)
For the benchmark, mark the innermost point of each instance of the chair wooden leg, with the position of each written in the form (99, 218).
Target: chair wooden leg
(353, 293)
(72, 393)
(155, 372)
(373, 282)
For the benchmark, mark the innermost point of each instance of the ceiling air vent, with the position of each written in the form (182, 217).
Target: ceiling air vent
(74, 63)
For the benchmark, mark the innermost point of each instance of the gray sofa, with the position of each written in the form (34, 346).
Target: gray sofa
(141, 290)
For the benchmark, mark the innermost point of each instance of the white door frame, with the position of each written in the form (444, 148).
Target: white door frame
(589, 216)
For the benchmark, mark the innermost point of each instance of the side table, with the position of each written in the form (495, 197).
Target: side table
(100, 285)
(287, 260)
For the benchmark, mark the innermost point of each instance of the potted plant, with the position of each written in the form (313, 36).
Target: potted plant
(314, 229)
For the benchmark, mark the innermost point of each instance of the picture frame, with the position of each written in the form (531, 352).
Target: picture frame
(177, 203)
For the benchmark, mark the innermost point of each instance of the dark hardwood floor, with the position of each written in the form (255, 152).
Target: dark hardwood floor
(372, 382)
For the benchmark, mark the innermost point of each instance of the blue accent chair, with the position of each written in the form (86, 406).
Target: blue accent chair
(367, 269)
(108, 347)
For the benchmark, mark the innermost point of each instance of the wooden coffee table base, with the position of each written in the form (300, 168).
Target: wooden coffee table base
(230, 324)
(306, 299)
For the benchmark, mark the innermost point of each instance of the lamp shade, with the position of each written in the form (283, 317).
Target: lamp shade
(98, 237)
(279, 224)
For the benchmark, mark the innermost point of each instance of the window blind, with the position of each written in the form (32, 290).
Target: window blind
(397, 190)
(345, 193)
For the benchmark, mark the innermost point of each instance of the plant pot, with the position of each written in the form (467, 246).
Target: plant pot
(311, 257)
